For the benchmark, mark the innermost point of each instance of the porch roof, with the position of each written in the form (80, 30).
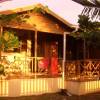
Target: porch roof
(48, 11)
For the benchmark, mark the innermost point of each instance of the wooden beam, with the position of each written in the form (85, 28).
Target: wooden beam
(35, 49)
(64, 56)
(1, 31)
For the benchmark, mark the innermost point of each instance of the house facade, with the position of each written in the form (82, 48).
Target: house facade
(41, 35)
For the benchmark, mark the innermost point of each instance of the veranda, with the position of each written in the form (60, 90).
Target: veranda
(80, 77)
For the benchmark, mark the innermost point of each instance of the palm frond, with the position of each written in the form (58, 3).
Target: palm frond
(91, 8)
(91, 3)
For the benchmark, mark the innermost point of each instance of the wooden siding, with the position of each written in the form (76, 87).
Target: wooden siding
(52, 23)
(42, 23)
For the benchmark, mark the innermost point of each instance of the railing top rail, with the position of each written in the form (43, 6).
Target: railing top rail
(86, 60)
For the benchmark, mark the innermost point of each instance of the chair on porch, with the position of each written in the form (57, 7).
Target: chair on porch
(43, 65)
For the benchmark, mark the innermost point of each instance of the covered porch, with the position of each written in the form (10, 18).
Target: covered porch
(41, 46)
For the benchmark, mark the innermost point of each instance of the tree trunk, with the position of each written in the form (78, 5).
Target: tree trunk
(88, 48)
(84, 49)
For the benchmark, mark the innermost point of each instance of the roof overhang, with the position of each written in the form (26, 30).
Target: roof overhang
(47, 10)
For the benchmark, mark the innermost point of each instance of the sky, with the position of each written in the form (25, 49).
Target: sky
(66, 9)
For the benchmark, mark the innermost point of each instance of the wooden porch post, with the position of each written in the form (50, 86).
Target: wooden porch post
(29, 48)
(1, 31)
(64, 56)
(35, 49)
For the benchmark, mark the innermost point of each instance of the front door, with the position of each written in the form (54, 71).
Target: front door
(51, 52)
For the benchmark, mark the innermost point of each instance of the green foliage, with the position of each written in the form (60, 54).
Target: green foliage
(39, 10)
(88, 30)
(5, 19)
(8, 40)
(94, 39)
(21, 18)
(84, 22)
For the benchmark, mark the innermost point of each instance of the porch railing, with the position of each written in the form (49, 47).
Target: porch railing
(26, 65)
(78, 69)
(20, 75)
(82, 69)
